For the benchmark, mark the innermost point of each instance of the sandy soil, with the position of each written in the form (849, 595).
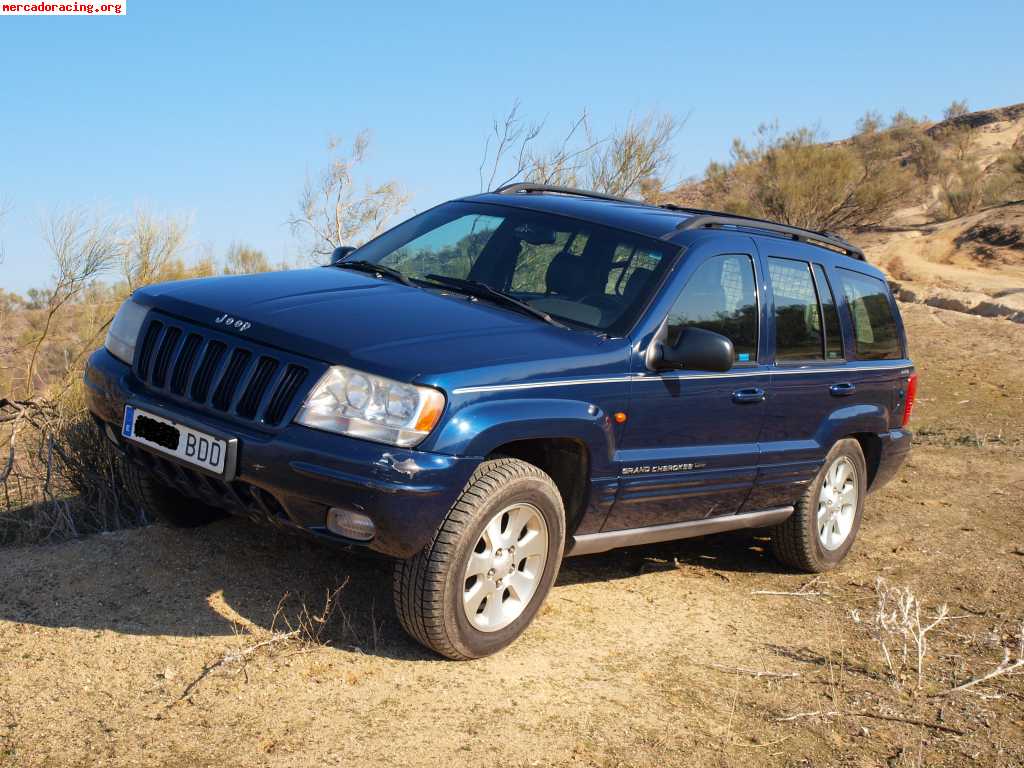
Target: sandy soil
(640, 657)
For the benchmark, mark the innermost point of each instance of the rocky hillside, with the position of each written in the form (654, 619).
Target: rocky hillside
(972, 263)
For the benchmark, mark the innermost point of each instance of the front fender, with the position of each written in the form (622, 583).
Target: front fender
(478, 429)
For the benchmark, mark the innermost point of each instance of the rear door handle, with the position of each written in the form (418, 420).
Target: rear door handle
(843, 389)
(752, 395)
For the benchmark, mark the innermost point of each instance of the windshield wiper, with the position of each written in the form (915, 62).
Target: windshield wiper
(481, 290)
(377, 269)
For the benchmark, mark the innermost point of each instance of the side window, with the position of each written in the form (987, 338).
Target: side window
(833, 335)
(874, 327)
(720, 296)
(798, 332)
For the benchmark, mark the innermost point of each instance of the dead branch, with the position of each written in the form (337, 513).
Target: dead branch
(823, 714)
(234, 658)
(751, 672)
(804, 591)
(1005, 667)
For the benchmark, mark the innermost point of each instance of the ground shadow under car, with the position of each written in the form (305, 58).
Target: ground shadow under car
(207, 581)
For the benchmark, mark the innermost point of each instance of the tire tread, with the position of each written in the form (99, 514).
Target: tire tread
(418, 583)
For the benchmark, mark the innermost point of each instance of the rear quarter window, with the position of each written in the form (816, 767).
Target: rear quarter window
(875, 333)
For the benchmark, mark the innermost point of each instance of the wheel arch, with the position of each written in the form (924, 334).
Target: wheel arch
(566, 460)
(871, 446)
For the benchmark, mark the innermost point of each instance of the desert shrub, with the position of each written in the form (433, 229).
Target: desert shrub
(797, 179)
(962, 188)
(60, 478)
(957, 108)
(243, 260)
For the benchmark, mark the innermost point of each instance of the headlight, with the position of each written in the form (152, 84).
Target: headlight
(371, 407)
(124, 331)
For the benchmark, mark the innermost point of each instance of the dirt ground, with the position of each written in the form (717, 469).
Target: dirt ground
(666, 655)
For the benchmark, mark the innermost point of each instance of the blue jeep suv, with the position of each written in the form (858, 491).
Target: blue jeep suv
(516, 377)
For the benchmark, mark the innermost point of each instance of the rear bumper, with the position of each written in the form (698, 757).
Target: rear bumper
(894, 451)
(293, 476)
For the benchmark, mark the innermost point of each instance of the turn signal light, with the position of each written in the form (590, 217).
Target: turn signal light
(908, 401)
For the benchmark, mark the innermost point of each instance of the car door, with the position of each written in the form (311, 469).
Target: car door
(689, 449)
(807, 359)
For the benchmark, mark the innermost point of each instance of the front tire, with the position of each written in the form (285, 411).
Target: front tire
(821, 530)
(477, 586)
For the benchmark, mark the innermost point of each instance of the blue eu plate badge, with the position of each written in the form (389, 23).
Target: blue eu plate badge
(129, 419)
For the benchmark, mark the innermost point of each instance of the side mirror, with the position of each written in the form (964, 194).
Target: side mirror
(340, 253)
(696, 350)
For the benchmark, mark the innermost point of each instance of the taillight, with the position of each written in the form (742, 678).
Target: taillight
(908, 400)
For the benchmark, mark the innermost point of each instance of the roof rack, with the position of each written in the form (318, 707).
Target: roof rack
(525, 186)
(709, 219)
(703, 219)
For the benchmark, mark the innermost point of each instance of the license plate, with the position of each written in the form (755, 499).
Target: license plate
(184, 443)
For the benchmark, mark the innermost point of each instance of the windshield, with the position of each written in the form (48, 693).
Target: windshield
(575, 271)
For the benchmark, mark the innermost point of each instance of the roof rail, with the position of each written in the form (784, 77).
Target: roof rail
(525, 186)
(711, 219)
(703, 219)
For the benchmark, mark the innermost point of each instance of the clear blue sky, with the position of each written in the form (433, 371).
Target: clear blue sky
(201, 109)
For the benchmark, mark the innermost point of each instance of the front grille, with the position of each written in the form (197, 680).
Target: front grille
(219, 373)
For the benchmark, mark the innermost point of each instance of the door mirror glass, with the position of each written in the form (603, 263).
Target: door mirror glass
(696, 350)
(340, 253)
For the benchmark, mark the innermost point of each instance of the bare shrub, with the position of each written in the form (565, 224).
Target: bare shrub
(243, 260)
(900, 632)
(60, 477)
(152, 251)
(620, 163)
(82, 251)
(333, 211)
(957, 108)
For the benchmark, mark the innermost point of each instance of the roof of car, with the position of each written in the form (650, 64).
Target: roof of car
(634, 217)
(663, 222)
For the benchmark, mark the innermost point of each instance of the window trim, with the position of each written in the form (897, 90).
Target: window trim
(809, 361)
(843, 358)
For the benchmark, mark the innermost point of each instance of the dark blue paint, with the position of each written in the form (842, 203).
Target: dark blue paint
(738, 453)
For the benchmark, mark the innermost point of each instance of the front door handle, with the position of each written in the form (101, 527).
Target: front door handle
(843, 389)
(752, 395)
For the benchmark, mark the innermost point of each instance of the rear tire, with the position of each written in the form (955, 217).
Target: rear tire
(477, 586)
(165, 504)
(821, 531)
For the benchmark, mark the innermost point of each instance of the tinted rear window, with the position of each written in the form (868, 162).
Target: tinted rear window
(798, 331)
(875, 333)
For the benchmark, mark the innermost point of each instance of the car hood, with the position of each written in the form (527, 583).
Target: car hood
(407, 333)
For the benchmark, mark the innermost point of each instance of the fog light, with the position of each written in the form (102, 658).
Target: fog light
(350, 524)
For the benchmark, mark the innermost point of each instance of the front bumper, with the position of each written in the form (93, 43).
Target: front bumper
(293, 476)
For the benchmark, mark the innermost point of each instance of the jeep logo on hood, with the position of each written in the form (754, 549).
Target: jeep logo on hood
(233, 322)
